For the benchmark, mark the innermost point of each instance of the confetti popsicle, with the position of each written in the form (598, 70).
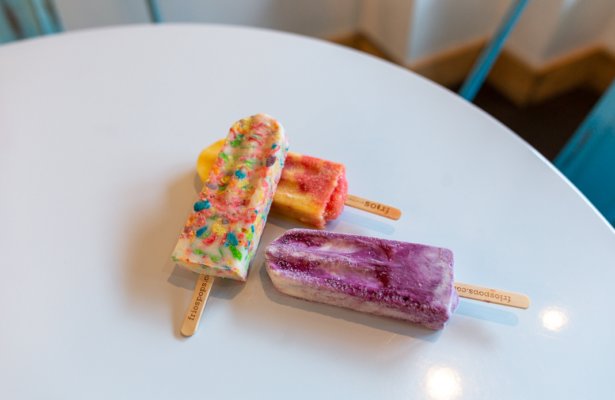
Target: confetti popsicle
(222, 232)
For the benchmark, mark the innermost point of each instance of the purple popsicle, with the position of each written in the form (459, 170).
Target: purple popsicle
(408, 281)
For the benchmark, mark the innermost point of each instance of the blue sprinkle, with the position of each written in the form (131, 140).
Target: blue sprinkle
(201, 231)
(252, 227)
(240, 174)
(201, 205)
(273, 146)
(231, 239)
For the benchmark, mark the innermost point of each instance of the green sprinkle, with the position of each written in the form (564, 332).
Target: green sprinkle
(214, 258)
(224, 156)
(236, 253)
(237, 141)
(198, 251)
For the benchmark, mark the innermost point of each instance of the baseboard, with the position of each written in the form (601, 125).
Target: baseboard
(348, 40)
(361, 42)
(516, 79)
(449, 67)
(524, 84)
(603, 71)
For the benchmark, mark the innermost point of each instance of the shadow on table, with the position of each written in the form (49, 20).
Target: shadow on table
(354, 221)
(363, 220)
(149, 267)
(376, 322)
(154, 234)
(490, 313)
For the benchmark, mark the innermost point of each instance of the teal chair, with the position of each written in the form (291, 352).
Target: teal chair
(490, 53)
(20, 19)
(588, 159)
(6, 30)
(154, 11)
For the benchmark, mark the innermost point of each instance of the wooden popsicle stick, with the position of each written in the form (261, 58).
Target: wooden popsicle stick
(197, 305)
(494, 296)
(373, 207)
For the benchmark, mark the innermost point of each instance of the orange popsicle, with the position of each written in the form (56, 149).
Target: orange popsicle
(311, 190)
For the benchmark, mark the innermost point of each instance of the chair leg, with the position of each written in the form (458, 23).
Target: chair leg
(154, 11)
(44, 17)
(485, 62)
(6, 26)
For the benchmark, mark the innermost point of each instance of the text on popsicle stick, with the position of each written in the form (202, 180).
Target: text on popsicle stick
(373, 207)
(199, 298)
(495, 296)
(202, 290)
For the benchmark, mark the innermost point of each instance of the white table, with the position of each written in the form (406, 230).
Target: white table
(99, 133)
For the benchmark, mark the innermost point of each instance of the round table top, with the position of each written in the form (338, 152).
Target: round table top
(99, 134)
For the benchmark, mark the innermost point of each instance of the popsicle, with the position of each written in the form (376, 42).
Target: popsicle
(408, 281)
(311, 190)
(223, 231)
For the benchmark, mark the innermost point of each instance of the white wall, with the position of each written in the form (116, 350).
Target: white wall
(408, 30)
(534, 30)
(547, 30)
(387, 23)
(321, 18)
(551, 29)
(80, 14)
(581, 25)
(439, 25)
(608, 36)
